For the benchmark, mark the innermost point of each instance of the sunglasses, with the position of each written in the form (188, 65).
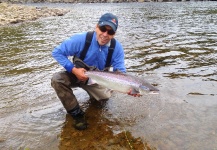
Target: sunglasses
(103, 29)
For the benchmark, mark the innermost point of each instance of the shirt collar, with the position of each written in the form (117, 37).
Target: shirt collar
(109, 43)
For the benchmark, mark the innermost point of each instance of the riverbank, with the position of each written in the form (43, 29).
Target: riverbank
(17, 13)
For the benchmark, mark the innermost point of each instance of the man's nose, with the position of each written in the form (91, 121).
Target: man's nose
(105, 33)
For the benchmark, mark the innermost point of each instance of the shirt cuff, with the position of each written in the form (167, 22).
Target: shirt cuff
(69, 67)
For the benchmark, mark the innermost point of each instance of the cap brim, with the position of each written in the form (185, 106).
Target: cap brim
(104, 23)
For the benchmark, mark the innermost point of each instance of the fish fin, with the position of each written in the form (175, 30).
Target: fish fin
(90, 81)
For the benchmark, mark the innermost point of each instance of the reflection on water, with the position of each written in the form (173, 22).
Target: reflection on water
(172, 45)
(99, 134)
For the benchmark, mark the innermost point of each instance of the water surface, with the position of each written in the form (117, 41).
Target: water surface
(172, 45)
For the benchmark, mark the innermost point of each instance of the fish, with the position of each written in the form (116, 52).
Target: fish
(121, 82)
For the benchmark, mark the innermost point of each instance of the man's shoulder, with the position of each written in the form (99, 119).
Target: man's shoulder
(78, 37)
(118, 45)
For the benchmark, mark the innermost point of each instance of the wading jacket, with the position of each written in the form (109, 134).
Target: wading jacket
(96, 55)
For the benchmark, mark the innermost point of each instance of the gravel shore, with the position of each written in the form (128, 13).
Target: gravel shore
(16, 13)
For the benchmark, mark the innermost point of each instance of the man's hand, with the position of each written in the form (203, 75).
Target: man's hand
(80, 73)
(135, 95)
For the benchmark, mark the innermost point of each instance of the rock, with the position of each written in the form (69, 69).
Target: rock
(16, 13)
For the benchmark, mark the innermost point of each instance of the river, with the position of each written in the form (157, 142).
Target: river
(172, 45)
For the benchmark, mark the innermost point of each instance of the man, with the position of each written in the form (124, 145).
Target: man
(96, 57)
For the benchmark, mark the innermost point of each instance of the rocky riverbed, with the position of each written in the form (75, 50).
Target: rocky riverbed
(17, 13)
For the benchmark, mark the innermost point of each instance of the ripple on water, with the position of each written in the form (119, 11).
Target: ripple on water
(172, 45)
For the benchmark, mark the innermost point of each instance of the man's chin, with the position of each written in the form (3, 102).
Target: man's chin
(103, 42)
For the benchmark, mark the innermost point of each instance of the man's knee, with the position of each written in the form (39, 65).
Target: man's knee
(56, 79)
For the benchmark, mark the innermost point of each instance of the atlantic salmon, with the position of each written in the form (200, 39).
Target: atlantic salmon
(121, 82)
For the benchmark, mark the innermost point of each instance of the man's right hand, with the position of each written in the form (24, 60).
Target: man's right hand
(80, 73)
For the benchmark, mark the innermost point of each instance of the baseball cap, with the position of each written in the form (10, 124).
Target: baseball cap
(110, 20)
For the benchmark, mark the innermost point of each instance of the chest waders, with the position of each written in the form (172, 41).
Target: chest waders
(79, 61)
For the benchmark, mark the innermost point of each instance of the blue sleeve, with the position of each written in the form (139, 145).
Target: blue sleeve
(118, 58)
(70, 47)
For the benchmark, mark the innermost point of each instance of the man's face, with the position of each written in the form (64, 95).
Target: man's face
(104, 34)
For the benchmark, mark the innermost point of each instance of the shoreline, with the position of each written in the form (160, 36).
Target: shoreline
(18, 13)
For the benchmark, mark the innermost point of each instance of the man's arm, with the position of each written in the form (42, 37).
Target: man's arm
(69, 47)
(119, 65)
(118, 58)
(61, 53)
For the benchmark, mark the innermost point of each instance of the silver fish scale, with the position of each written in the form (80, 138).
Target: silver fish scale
(117, 77)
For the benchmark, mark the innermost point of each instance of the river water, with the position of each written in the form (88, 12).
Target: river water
(172, 45)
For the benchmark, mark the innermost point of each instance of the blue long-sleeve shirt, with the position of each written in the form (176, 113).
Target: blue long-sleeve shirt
(96, 54)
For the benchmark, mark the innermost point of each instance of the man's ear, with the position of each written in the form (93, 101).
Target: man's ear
(96, 26)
